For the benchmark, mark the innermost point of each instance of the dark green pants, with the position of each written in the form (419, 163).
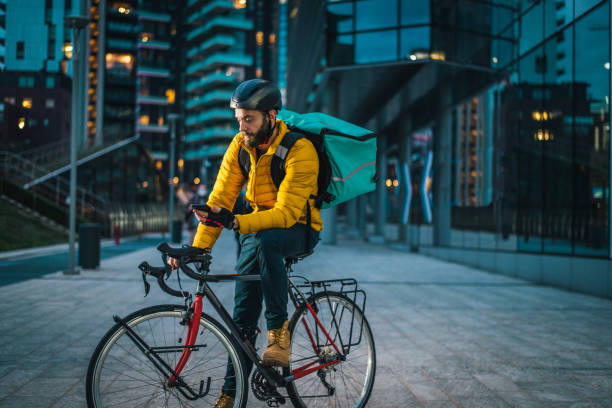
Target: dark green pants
(264, 253)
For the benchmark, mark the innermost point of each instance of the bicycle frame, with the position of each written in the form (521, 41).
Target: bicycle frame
(204, 291)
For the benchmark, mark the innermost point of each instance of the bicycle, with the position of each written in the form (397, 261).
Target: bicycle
(176, 355)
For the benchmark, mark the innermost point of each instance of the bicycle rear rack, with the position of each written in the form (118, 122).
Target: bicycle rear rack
(348, 287)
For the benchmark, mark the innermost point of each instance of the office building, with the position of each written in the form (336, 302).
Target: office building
(493, 122)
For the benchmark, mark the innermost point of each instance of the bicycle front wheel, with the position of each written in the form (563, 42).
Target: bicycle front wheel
(121, 375)
(344, 384)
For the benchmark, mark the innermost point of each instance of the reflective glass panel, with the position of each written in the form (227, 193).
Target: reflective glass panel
(376, 46)
(581, 6)
(414, 12)
(414, 42)
(555, 136)
(340, 17)
(532, 24)
(592, 133)
(530, 94)
(341, 49)
(373, 14)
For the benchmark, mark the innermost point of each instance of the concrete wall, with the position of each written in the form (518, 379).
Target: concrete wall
(580, 274)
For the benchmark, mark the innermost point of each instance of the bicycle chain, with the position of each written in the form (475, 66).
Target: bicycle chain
(264, 391)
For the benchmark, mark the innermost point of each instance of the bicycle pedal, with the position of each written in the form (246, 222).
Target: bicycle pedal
(275, 402)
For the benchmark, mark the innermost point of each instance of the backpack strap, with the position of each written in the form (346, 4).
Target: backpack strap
(244, 159)
(277, 166)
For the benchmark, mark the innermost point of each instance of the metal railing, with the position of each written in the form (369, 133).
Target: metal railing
(51, 199)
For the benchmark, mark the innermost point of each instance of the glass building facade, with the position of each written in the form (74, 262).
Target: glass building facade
(494, 128)
(530, 148)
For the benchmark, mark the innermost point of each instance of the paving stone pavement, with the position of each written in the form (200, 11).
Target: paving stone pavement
(446, 335)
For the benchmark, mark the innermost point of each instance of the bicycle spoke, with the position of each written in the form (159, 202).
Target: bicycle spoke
(352, 377)
(125, 377)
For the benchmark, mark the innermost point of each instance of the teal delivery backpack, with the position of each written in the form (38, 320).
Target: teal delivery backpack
(347, 155)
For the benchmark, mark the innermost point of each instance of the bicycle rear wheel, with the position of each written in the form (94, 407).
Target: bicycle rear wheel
(347, 383)
(120, 375)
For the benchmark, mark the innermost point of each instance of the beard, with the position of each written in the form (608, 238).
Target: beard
(258, 137)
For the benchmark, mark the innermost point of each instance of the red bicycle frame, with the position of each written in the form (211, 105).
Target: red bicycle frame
(307, 369)
(192, 335)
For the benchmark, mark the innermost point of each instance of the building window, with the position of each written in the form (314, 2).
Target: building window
(144, 120)
(25, 82)
(48, 10)
(119, 64)
(170, 95)
(50, 82)
(240, 4)
(20, 50)
(51, 41)
(27, 103)
(21, 122)
(50, 103)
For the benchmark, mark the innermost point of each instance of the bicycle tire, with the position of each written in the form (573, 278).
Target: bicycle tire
(119, 374)
(352, 379)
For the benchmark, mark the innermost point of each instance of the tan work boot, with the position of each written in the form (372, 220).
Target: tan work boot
(277, 352)
(224, 401)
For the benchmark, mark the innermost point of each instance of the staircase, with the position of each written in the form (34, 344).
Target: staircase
(49, 197)
(48, 222)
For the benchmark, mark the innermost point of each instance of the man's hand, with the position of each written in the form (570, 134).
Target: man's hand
(217, 217)
(173, 262)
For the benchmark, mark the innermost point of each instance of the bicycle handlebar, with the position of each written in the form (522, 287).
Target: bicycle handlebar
(186, 255)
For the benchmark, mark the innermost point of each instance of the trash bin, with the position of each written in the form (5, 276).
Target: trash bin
(177, 231)
(89, 245)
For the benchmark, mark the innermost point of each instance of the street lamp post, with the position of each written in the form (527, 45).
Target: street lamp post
(77, 23)
(172, 118)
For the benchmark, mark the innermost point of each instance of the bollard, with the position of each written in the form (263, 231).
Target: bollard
(116, 234)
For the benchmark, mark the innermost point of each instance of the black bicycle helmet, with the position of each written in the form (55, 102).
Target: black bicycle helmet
(256, 94)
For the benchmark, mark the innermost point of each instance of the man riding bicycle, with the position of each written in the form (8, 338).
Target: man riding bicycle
(276, 228)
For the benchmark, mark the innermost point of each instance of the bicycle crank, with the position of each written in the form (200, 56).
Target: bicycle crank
(264, 391)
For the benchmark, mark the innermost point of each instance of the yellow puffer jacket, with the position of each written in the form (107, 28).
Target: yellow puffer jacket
(272, 207)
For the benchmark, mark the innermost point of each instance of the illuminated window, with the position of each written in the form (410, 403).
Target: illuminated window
(158, 165)
(272, 38)
(121, 64)
(145, 37)
(259, 38)
(67, 49)
(170, 95)
(21, 123)
(160, 121)
(50, 103)
(144, 120)
(27, 103)
(122, 8)
(181, 163)
(240, 4)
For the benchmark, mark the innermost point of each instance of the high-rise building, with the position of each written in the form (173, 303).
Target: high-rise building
(217, 60)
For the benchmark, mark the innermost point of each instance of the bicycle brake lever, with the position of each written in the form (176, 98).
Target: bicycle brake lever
(147, 285)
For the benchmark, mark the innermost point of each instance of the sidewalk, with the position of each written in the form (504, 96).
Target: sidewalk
(446, 335)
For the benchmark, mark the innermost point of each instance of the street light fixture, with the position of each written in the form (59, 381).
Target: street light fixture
(77, 23)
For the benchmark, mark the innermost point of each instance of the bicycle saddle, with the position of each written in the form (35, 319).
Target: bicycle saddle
(295, 258)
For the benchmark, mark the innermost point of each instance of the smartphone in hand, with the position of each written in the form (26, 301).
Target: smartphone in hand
(201, 207)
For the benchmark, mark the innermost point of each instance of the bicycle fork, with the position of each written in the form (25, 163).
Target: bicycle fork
(152, 353)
